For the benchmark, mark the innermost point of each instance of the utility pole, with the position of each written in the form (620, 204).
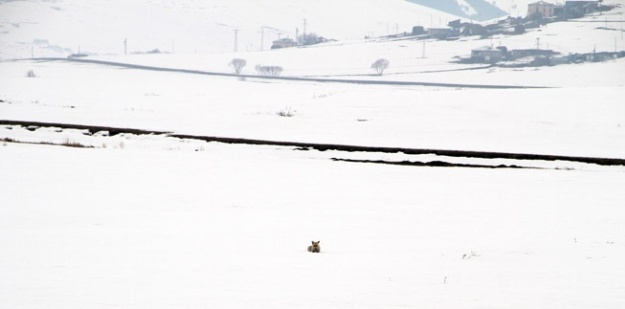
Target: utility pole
(126, 46)
(537, 43)
(236, 40)
(423, 51)
(262, 38)
(304, 32)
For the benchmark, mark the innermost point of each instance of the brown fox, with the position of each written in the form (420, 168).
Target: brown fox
(314, 248)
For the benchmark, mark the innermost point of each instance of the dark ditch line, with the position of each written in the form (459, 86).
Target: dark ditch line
(91, 129)
(436, 164)
(31, 125)
(410, 151)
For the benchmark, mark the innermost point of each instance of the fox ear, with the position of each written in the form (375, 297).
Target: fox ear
(312, 241)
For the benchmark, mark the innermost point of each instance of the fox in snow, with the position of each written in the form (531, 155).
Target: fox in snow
(314, 248)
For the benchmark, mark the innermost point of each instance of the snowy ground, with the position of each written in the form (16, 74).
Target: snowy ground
(227, 226)
(561, 121)
(148, 221)
(155, 222)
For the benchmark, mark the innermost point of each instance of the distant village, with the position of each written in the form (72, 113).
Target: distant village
(538, 14)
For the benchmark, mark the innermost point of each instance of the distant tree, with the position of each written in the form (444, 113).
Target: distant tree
(310, 39)
(238, 65)
(154, 51)
(272, 71)
(380, 65)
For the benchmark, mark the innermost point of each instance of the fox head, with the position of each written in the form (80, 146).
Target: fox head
(315, 243)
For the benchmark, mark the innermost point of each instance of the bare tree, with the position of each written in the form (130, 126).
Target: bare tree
(238, 64)
(272, 71)
(380, 65)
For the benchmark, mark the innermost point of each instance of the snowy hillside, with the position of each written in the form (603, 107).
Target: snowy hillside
(57, 28)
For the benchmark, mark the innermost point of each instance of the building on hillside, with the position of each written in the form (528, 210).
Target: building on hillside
(602, 56)
(578, 8)
(283, 43)
(521, 53)
(418, 30)
(440, 33)
(488, 54)
(540, 10)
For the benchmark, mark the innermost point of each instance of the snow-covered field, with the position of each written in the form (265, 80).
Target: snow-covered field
(150, 221)
(579, 121)
(228, 226)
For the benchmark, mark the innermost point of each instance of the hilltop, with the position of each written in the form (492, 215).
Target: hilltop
(58, 28)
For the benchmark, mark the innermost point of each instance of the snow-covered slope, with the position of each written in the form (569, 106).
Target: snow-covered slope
(579, 120)
(410, 60)
(57, 28)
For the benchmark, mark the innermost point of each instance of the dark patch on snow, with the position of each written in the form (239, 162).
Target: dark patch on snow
(322, 147)
(433, 164)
